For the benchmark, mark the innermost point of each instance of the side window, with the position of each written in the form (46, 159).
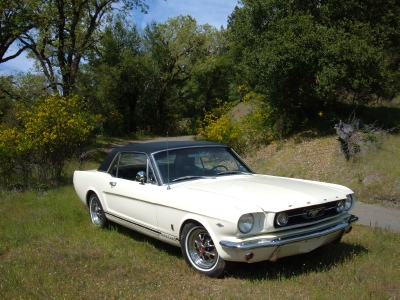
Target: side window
(128, 164)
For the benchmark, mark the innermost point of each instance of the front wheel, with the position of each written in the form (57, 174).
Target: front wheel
(199, 251)
(96, 211)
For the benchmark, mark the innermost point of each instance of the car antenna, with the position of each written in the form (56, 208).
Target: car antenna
(168, 187)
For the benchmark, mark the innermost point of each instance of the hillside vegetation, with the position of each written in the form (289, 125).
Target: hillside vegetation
(374, 175)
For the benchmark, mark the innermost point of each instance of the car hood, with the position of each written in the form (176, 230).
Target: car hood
(270, 193)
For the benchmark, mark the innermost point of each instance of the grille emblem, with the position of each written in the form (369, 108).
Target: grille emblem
(313, 213)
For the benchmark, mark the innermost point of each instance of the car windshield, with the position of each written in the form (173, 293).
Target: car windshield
(193, 163)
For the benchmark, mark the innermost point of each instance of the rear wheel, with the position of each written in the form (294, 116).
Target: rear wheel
(199, 251)
(96, 211)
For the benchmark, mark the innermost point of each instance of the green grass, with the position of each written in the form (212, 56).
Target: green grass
(50, 250)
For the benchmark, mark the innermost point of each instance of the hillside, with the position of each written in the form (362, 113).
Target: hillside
(374, 176)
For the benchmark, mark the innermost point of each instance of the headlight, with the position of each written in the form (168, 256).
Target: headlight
(246, 223)
(282, 219)
(349, 202)
(340, 206)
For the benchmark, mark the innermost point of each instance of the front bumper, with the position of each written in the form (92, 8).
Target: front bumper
(296, 243)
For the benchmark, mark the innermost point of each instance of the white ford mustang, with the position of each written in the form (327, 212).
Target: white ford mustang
(204, 198)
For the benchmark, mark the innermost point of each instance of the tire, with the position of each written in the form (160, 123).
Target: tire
(96, 211)
(199, 251)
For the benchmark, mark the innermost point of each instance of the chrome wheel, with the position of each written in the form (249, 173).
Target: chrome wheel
(200, 252)
(97, 214)
(201, 248)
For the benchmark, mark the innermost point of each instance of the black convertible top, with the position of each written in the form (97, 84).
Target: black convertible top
(152, 147)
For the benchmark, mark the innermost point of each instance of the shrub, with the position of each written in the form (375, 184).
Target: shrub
(49, 134)
(244, 133)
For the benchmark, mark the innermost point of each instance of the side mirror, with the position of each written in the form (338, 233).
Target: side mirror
(141, 177)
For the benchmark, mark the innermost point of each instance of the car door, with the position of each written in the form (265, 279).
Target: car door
(128, 200)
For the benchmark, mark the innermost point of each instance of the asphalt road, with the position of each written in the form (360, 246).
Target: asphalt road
(377, 217)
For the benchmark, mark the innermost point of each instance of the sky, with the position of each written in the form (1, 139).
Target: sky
(213, 12)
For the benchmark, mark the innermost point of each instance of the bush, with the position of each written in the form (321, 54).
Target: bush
(49, 134)
(243, 131)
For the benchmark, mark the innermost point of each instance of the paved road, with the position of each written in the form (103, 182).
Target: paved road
(377, 217)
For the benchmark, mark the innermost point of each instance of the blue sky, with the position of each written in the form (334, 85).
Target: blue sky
(213, 12)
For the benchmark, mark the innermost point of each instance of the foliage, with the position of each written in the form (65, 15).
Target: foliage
(17, 17)
(306, 56)
(65, 33)
(49, 134)
(303, 58)
(111, 80)
(179, 52)
(162, 79)
(222, 130)
(242, 125)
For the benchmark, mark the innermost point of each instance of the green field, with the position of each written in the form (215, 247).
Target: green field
(50, 250)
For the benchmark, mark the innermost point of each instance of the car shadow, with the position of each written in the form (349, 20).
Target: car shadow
(140, 237)
(320, 260)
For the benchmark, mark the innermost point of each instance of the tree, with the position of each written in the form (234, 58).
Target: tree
(68, 31)
(17, 89)
(303, 60)
(212, 75)
(17, 17)
(172, 50)
(112, 79)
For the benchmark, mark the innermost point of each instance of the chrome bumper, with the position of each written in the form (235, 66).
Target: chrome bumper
(263, 243)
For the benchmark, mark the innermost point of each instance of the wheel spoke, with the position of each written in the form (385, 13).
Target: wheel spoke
(200, 251)
(201, 248)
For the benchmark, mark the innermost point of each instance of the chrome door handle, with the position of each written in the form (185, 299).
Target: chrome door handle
(113, 183)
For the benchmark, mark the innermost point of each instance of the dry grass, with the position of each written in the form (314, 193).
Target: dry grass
(374, 175)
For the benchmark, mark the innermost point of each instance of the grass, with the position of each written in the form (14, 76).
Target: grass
(50, 250)
(374, 175)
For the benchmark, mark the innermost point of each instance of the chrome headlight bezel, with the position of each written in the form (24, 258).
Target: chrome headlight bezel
(282, 219)
(350, 199)
(340, 205)
(246, 223)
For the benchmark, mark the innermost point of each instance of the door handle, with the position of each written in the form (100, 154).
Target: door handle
(113, 183)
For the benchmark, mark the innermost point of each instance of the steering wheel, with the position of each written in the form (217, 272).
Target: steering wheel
(219, 166)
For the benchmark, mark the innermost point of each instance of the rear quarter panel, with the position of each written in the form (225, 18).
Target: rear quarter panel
(85, 181)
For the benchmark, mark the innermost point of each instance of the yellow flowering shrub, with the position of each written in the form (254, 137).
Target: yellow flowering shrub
(222, 130)
(8, 147)
(244, 133)
(51, 132)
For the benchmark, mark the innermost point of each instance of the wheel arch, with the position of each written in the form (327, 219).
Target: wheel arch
(188, 221)
(89, 194)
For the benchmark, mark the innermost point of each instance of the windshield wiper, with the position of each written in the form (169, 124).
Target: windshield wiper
(233, 172)
(191, 177)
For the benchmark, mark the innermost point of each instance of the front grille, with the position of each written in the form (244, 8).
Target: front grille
(308, 214)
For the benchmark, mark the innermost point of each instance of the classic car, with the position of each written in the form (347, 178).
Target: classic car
(203, 198)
